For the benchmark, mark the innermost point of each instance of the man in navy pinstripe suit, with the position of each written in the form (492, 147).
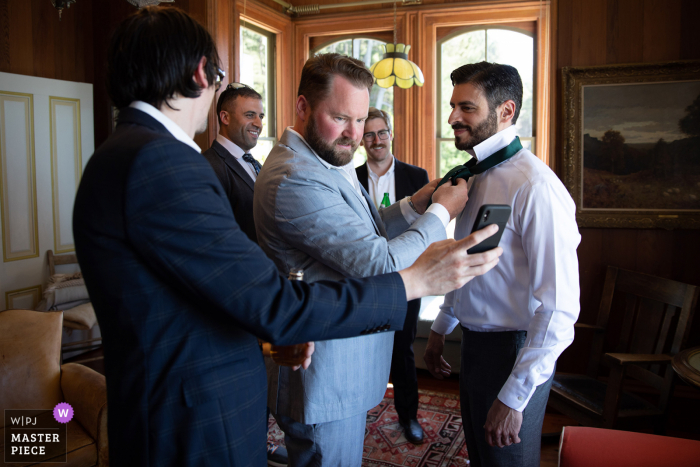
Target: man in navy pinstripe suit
(180, 292)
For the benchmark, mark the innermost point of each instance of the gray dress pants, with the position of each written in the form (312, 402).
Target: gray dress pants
(331, 444)
(487, 361)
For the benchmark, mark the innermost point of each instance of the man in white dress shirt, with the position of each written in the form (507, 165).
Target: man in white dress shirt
(516, 321)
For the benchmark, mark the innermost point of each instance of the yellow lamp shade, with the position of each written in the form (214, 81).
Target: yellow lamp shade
(395, 69)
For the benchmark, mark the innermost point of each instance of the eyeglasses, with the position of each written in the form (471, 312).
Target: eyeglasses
(237, 86)
(383, 134)
(220, 75)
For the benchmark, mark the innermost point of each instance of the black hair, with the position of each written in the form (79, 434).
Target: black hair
(499, 82)
(231, 93)
(154, 54)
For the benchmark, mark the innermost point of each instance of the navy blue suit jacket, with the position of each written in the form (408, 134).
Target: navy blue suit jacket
(237, 184)
(181, 294)
(407, 178)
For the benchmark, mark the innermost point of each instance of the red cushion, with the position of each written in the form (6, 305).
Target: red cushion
(586, 447)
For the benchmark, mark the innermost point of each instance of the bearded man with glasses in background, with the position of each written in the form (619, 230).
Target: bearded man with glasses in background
(385, 174)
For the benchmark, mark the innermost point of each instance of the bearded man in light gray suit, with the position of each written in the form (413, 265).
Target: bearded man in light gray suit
(311, 212)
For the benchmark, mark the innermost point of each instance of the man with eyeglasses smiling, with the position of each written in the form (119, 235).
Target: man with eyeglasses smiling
(384, 174)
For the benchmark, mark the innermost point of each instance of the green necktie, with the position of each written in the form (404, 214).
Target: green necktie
(465, 171)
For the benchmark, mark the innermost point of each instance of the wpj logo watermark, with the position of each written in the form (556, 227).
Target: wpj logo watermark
(37, 435)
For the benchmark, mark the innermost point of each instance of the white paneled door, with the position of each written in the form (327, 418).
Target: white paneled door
(46, 138)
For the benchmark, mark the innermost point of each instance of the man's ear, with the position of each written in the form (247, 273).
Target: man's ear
(303, 108)
(200, 76)
(506, 112)
(225, 118)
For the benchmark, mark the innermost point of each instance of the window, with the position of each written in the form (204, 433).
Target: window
(369, 51)
(257, 70)
(500, 45)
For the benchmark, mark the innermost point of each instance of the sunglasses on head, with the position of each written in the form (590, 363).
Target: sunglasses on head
(220, 75)
(237, 86)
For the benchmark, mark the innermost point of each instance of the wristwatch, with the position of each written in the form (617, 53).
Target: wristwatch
(410, 203)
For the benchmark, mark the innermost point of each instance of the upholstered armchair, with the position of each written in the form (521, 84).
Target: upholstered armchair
(31, 377)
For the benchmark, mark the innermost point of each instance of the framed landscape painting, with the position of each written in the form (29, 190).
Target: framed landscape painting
(632, 144)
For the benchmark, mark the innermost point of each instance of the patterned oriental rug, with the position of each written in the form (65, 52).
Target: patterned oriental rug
(386, 446)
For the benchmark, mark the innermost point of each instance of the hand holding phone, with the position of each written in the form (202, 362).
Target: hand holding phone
(490, 214)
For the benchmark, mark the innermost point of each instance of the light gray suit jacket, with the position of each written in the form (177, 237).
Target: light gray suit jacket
(308, 216)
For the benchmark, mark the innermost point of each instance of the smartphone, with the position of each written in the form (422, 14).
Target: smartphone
(490, 214)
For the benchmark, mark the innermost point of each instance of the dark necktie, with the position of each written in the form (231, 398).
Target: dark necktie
(252, 161)
(465, 171)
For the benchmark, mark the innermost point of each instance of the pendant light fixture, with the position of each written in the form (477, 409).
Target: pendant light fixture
(395, 69)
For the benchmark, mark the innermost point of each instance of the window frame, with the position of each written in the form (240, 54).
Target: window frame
(271, 110)
(438, 80)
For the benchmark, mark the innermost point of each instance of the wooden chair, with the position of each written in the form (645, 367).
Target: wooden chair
(84, 345)
(59, 260)
(655, 326)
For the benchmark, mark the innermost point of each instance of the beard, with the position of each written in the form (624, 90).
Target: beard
(329, 152)
(483, 131)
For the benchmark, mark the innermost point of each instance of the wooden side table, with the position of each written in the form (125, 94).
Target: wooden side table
(687, 365)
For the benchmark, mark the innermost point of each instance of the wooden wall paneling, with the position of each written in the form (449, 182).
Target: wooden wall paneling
(690, 32)
(107, 15)
(4, 35)
(281, 25)
(624, 33)
(204, 12)
(662, 34)
(45, 23)
(19, 42)
(599, 32)
(219, 16)
(589, 32)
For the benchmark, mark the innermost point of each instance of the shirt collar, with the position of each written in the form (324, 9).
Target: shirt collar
(388, 172)
(172, 127)
(230, 146)
(494, 143)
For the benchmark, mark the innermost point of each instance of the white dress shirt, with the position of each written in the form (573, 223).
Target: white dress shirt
(378, 185)
(169, 125)
(237, 154)
(535, 285)
(349, 173)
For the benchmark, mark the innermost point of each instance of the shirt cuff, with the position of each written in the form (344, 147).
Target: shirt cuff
(444, 323)
(440, 211)
(436, 208)
(515, 394)
(407, 211)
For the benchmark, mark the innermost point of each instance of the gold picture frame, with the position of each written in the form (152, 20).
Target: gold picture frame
(628, 160)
